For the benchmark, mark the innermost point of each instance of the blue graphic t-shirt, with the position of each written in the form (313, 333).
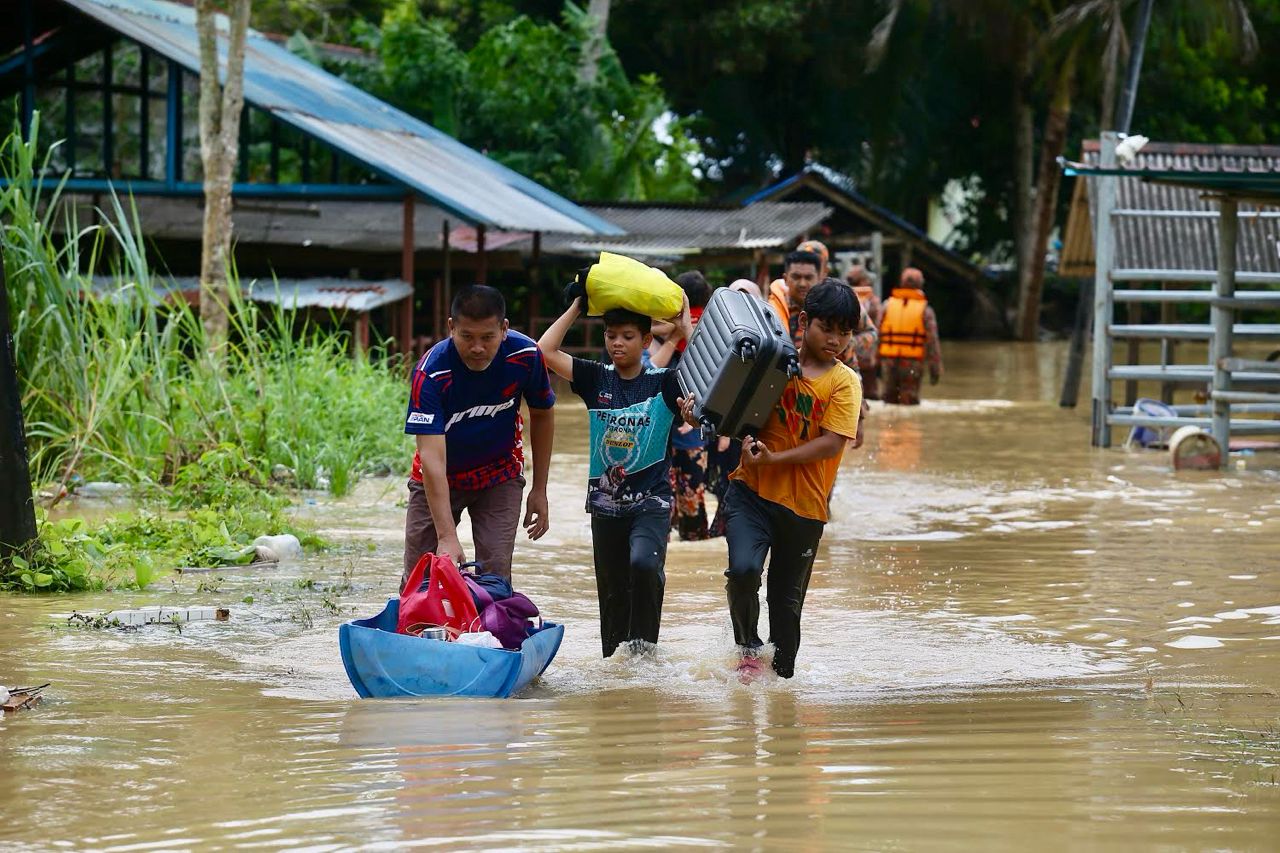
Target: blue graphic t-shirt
(478, 412)
(630, 427)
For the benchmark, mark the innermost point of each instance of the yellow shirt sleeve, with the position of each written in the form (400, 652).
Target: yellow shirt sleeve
(844, 402)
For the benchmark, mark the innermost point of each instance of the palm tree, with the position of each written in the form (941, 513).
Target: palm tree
(1045, 44)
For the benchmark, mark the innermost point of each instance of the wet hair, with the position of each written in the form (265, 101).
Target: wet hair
(799, 256)
(695, 287)
(623, 317)
(834, 303)
(479, 302)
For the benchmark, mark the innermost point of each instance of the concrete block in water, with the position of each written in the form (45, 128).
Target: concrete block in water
(152, 615)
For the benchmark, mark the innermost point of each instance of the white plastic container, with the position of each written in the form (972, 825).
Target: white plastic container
(1193, 449)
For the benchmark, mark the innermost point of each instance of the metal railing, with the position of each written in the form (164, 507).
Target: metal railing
(1223, 371)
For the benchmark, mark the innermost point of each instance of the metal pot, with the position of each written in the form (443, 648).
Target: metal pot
(434, 634)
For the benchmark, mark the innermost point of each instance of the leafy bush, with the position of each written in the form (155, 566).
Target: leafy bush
(118, 384)
(131, 550)
(519, 95)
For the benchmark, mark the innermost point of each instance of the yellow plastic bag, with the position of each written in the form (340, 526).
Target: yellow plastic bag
(616, 281)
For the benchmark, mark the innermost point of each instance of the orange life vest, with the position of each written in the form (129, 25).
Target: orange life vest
(780, 300)
(902, 332)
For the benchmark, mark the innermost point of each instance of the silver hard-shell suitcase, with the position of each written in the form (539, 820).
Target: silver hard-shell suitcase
(737, 364)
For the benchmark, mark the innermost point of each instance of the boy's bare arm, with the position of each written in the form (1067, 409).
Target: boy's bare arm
(560, 362)
(675, 330)
(660, 355)
(826, 446)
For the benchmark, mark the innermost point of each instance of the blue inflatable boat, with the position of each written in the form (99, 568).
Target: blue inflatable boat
(383, 664)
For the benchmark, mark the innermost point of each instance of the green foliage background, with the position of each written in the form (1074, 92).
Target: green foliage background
(757, 86)
(119, 386)
(516, 93)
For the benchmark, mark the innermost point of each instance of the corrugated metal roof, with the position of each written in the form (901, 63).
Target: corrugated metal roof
(675, 231)
(1184, 233)
(654, 231)
(359, 226)
(404, 149)
(336, 294)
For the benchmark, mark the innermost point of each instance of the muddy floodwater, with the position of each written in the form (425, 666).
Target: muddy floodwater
(1011, 642)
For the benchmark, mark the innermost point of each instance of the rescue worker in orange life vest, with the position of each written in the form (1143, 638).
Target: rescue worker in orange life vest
(908, 341)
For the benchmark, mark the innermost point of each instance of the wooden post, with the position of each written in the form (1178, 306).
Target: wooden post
(482, 262)
(447, 307)
(17, 511)
(762, 270)
(1103, 300)
(1075, 355)
(877, 260)
(535, 284)
(404, 331)
(362, 332)
(437, 303)
(1222, 317)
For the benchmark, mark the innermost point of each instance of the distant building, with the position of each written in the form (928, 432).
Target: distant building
(117, 80)
(956, 286)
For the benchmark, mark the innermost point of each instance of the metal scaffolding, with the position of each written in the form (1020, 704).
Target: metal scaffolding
(1224, 373)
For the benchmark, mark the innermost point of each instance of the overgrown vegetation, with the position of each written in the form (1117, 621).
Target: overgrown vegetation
(517, 92)
(118, 384)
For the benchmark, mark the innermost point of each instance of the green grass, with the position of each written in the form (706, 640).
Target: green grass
(119, 385)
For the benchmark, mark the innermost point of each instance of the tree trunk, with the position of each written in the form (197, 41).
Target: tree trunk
(1139, 46)
(1046, 202)
(220, 108)
(1023, 151)
(17, 512)
(598, 11)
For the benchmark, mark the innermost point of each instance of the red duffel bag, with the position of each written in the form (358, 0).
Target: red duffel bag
(435, 596)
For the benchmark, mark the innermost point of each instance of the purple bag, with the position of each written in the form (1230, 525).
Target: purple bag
(508, 619)
(486, 588)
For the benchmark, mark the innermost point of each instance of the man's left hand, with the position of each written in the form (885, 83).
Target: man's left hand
(537, 519)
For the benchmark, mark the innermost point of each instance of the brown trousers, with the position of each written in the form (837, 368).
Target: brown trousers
(495, 515)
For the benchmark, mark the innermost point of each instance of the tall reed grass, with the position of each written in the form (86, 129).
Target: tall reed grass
(118, 384)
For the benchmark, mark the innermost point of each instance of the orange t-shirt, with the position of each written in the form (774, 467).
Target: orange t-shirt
(833, 402)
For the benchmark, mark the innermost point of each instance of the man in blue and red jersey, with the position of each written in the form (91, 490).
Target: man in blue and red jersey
(464, 412)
